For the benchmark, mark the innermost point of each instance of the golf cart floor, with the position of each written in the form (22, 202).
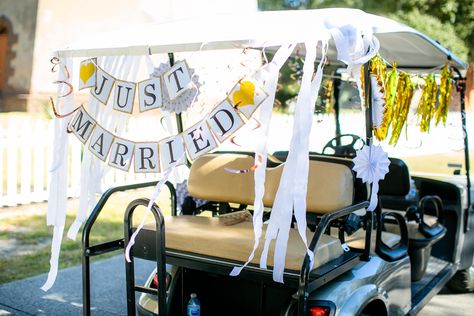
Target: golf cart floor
(438, 273)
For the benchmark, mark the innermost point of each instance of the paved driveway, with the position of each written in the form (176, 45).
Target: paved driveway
(24, 297)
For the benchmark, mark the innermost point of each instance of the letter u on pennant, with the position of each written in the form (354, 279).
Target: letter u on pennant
(124, 94)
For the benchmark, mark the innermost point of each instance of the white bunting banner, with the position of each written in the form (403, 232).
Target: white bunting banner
(160, 155)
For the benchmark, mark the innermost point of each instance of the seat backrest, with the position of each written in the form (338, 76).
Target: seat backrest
(397, 180)
(360, 189)
(330, 185)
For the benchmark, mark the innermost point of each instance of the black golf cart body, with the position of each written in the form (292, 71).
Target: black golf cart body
(367, 272)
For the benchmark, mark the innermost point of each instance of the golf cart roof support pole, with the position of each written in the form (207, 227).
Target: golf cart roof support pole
(337, 83)
(368, 104)
(179, 118)
(461, 86)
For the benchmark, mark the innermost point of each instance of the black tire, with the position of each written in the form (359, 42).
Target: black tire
(462, 281)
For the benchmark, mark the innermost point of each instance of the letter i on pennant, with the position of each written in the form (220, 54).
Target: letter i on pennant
(171, 152)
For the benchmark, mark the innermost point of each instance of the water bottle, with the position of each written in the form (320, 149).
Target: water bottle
(194, 308)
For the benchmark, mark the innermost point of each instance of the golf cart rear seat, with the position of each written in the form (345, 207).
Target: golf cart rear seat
(423, 230)
(330, 188)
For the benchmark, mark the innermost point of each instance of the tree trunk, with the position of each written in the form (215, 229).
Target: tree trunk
(470, 88)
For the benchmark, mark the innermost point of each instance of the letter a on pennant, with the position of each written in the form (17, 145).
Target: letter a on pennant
(124, 94)
(82, 125)
(177, 80)
(101, 141)
(198, 140)
(149, 94)
(146, 158)
(121, 154)
(171, 151)
(103, 86)
(224, 121)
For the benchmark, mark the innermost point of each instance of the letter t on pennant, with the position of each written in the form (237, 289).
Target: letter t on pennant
(177, 79)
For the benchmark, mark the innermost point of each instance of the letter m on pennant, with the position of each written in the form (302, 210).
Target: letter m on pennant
(82, 125)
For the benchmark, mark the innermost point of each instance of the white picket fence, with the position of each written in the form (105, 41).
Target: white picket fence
(25, 159)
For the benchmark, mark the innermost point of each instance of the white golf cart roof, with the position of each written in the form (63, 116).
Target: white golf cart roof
(398, 42)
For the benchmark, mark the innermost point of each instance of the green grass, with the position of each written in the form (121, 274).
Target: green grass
(32, 232)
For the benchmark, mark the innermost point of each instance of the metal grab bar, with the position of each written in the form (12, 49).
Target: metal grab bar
(160, 259)
(321, 228)
(88, 251)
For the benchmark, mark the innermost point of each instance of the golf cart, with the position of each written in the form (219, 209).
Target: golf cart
(388, 262)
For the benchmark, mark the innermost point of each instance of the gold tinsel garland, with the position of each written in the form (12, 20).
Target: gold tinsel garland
(398, 88)
(445, 87)
(401, 106)
(426, 106)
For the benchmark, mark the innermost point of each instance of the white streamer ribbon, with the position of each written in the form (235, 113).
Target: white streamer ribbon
(268, 74)
(291, 193)
(155, 195)
(56, 213)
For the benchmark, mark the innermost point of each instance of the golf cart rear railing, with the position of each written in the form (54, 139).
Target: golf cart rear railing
(307, 281)
(102, 248)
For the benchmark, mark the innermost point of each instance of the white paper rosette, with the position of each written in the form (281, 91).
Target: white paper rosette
(371, 165)
(184, 100)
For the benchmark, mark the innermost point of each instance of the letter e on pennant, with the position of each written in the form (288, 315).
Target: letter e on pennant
(224, 121)
(199, 140)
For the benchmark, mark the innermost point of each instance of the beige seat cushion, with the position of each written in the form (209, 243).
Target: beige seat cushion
(209, 236)
(357, 240)
(412, 226)
(330, 185)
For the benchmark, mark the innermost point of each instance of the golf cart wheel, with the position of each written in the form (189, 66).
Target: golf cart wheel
(463, 281)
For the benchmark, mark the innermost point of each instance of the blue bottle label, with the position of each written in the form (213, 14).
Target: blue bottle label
(194, 310)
